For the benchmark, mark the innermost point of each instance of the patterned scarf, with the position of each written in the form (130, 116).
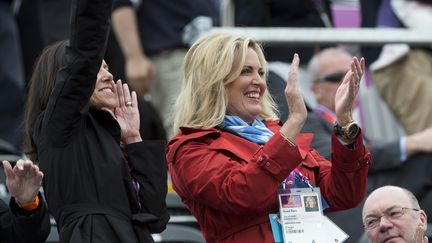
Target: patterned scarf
(257, 132)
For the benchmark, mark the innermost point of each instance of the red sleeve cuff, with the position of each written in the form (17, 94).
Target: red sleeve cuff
(348, 160)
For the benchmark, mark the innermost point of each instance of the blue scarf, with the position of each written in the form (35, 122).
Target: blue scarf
(257, 132)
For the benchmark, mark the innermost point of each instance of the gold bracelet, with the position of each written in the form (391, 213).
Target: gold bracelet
(291, 143)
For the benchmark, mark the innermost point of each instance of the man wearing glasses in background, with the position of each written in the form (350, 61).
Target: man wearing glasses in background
(393, 214)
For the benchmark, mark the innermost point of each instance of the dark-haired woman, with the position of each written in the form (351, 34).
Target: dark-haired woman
(103, 183)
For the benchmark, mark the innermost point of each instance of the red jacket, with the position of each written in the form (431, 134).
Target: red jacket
(229, 183)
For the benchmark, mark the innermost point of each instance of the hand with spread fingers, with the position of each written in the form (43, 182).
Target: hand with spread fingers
(23, 180)
(347, 92)
(127, 114)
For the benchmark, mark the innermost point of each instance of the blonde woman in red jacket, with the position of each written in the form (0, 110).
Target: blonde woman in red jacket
(231, 152)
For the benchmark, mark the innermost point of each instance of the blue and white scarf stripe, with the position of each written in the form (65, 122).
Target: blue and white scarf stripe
(257, 132)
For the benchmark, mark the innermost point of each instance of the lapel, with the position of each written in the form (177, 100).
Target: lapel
(240, 147)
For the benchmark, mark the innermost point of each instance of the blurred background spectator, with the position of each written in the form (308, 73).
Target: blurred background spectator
(11, 81)
(402, 74)
(154, 37)
(282, 13)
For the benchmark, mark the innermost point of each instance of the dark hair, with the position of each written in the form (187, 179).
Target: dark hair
(41, 84)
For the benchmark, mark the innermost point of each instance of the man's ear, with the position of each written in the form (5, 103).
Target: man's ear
(423, 220)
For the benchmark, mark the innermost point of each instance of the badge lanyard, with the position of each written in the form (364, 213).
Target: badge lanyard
(298, 219)
(294, 176)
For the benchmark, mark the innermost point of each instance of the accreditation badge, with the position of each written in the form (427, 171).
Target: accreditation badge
(301, 216)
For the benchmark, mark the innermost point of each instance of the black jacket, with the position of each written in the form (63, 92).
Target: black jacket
(21, 226)
(87, 183)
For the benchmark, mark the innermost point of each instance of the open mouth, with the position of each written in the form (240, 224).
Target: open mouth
(106, 89)
(253, 95)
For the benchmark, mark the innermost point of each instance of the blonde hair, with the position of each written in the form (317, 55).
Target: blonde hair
(212, 63)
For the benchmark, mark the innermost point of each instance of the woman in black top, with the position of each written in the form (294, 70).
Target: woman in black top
(103, 183)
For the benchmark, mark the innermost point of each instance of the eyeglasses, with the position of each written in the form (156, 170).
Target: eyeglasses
(391, 214)
(332, 77)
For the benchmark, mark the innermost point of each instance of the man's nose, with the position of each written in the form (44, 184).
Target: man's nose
(385, 223)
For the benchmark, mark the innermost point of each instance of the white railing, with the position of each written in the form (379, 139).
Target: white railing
(312, 36)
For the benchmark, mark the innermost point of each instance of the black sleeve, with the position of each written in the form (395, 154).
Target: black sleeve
(385, 156)
(28, 226)
(5, 223)
(150, 169)
(75, 82)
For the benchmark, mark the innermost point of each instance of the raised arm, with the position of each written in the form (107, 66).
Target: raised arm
(74, 84)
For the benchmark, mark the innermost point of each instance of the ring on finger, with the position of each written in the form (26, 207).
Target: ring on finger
(129, 103)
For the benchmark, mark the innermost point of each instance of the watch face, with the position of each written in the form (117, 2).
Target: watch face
(351, 131)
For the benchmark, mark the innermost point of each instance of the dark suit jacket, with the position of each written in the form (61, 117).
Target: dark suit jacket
(386, 169)
(385, 156)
